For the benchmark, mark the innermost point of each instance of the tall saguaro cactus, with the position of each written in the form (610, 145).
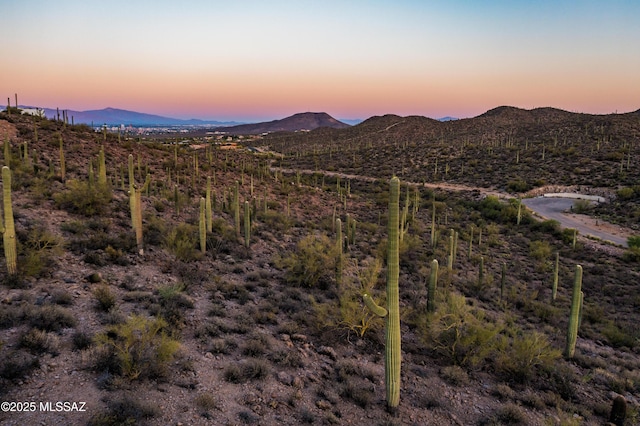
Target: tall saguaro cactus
(102, 168)
(208, 212)
(247, 224)
(8, 227)
(392, 313)
(202, 227)
(135, 204)
(433, 282)
(572, 330)
(339, 243)
(554, 287)
(63, 168)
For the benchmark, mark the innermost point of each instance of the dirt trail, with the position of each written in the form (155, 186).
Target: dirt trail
(586, 224)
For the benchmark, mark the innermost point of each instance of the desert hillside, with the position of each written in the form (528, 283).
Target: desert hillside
(129, 296)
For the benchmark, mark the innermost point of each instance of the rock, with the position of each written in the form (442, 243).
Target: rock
(299, 337)
(323, 405)
(285, 378)
(297, 383)
(328, 351)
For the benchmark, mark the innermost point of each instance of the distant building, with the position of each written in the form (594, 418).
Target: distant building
(37, 112)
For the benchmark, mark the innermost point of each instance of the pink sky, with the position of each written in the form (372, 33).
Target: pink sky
(219, 61)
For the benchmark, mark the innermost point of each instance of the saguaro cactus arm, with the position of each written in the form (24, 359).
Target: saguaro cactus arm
(373, 307)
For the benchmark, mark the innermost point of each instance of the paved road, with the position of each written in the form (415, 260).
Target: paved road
(547, 207)
(555, 208)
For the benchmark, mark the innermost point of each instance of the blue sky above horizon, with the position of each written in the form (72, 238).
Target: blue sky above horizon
(257, 60)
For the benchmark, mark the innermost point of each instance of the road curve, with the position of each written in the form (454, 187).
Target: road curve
(556, 208)
(546, 207)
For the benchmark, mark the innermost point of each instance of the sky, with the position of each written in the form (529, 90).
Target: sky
(264, 60)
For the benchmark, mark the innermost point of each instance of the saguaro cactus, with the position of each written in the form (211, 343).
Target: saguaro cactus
(247, 224)
(392, 313)
(339, 243)
(236, 208)
(433, 282)
(572, 329)
(554, 288)
(8, 227)
(63, 168)
(618, 413)
(102, 168)
(7, 151)
(208, 212)
(135, 204)
(202, 227)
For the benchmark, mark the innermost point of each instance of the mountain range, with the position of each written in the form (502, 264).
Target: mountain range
(114, 116)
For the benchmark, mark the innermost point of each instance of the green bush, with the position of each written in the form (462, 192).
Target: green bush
(38, 252)
(313, 262)
(634, 241)
(348, 312)
(625, 193)
(528, 352)
(518, 185)
(181, 241)
(104, 297)
(81, 198)
(462, 334)
(139, 348)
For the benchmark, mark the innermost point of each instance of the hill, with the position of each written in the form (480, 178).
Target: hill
(294, 123)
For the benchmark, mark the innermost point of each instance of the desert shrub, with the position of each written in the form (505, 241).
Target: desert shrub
(581, 206)
(359, 394)
(81, 198)
(208, 401)
(81, 340)
(173, 303)
(75, 227)
(508, 414)
(39, 341)
(619, 336)
(461, 334)
(540, 251)
(347, 311)
(455, 375)
(181, 241)
(244, 371)
(548, 227)
(51, 318)
(38, 252)
(274, 220)
(125, 410)
(518, 185)
(105, 299)
(312, 263)
(61, 297)
(527, 353)
(154, 231)
(634, 242)
(625, 193)
(16, 364)
(138, 348)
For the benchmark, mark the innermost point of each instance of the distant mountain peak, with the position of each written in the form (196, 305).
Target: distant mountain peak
(294, 123)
